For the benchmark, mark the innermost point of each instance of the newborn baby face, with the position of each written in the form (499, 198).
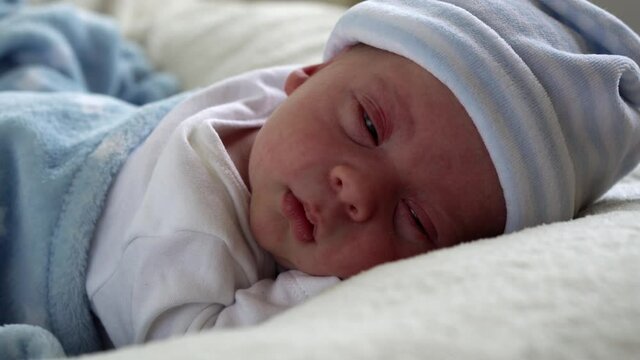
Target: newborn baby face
(370, 159)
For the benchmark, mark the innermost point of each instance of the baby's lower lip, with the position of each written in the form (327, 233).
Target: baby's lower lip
(293, 210)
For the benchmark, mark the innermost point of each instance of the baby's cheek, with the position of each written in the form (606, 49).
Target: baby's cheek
(359, 256)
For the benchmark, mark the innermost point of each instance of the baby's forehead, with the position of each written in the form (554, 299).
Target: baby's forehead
(386, 68)
(399, 77)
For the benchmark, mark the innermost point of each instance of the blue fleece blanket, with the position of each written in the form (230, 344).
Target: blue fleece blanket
(69, 115)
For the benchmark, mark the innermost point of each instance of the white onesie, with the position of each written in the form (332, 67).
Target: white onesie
(173, 252)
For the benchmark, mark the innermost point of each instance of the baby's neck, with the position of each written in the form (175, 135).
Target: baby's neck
(238, 144)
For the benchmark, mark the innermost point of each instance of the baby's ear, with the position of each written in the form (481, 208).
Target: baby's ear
(300, 76)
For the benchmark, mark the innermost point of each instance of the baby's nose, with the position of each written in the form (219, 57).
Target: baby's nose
(355, 191)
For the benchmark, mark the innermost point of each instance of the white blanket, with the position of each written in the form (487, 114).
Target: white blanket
(561, 291)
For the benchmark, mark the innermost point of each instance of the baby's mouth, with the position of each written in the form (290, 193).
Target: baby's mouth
(301, 227)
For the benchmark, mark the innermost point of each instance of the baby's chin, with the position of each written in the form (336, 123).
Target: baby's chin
(283, 263)
(286, 265)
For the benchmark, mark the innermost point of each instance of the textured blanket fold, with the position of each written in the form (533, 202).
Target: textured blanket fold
(60, 147)
(62, 48)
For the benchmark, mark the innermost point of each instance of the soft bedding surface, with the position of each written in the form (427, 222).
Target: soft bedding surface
(560, 291)
(563, 291)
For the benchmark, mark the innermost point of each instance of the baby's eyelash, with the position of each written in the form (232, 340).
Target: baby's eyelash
(370, 127)
(418, 223)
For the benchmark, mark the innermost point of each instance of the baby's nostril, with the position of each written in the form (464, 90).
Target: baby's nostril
(353, 210)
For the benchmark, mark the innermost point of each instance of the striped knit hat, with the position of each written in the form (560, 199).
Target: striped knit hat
(552, 86)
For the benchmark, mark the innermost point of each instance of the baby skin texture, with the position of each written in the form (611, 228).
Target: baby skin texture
(370, 159)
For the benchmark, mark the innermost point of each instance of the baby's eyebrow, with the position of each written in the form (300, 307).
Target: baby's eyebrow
(388, 99)
(401, 107)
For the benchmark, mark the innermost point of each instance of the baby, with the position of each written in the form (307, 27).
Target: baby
(429, 124)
